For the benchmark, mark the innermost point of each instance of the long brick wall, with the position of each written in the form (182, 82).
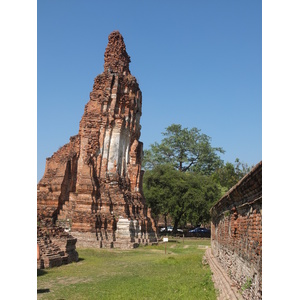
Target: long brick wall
(236, 233)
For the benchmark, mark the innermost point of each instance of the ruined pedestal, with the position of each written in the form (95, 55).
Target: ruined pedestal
(55, 247)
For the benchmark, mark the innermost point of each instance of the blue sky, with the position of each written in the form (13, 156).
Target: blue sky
(198, 63)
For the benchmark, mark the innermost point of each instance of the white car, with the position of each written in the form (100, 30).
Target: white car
(170, 229)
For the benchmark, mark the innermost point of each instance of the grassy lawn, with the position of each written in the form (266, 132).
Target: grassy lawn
(142, 273)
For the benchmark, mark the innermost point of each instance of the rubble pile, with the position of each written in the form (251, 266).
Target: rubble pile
(56, 247)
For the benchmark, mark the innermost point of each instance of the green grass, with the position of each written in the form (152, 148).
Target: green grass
(142, 273)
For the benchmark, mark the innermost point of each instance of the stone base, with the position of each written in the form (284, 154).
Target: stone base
(127, 236)
(86, 239)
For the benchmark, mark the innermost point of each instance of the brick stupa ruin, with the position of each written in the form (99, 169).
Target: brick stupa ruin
(92, 186)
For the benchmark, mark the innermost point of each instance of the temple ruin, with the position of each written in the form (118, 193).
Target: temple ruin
(92, 186)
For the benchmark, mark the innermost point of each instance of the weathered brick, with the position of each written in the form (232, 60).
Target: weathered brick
(94, 183)
(239, 248)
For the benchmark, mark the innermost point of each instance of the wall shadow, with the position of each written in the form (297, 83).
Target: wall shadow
(173, 241)
(41, 272)
(41, 291)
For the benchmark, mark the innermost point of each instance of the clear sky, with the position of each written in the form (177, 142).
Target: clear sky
(198, 64)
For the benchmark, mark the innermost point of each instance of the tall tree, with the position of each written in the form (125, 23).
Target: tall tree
(186, 150)
(185, 175)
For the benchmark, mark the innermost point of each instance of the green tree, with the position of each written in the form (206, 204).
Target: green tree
(185, 175)
(186, 150)
(226, 176)
(185, 196)
(229, 174)
(241, 169)
(158, 190)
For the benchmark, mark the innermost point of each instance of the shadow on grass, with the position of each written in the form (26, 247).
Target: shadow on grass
(41, 291)
(173, 241)
(80, 259)
(41, 272)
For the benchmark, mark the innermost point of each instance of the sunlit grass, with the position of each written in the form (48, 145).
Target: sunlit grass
(142, 273)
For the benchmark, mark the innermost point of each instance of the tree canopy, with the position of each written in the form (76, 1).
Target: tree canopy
(229, 174)
(185, 175)
(186, 150)
(185, 196)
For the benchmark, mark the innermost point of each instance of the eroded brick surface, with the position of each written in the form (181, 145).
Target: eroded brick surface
(236, 233)
(55, 246)
(93, 184)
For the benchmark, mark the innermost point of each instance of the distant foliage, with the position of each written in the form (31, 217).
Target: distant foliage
(185, 175)
(229, 174)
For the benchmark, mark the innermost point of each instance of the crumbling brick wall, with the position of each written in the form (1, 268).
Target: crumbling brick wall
(236, 233)
(55, 246)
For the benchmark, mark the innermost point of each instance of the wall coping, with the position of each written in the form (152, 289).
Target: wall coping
(226, 197)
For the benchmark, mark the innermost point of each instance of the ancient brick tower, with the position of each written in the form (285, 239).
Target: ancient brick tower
(93, 184)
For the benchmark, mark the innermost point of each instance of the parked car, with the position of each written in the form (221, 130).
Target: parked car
(170, 229)
(200, 231)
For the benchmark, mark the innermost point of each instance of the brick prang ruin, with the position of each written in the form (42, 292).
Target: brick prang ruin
(92, 186)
